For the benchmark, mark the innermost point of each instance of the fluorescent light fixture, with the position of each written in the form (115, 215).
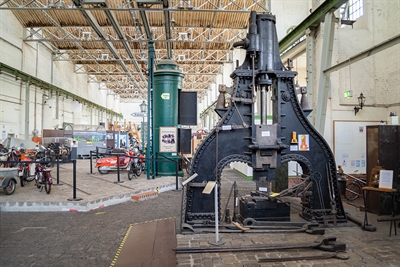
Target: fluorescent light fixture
(149, 1)
(93, 2)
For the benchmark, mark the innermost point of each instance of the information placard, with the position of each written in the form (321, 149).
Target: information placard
(386, 179)
(168, 139)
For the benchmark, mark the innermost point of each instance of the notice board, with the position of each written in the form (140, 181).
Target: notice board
(349, 145)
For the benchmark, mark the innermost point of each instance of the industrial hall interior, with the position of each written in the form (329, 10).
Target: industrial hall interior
(241, 120)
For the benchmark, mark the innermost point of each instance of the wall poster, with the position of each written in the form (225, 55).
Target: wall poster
(122, 140)
(349, 144)
(168, 139)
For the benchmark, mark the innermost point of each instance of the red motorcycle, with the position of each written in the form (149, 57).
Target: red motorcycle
(14, 155)
(137, 165)
(26, 170)
(109, 162)
(43, 178)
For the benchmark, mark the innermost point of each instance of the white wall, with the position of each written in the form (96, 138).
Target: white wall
(36, 59)
(377, 76)
(289, 14)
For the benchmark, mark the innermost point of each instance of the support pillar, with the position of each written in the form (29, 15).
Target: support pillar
(324, 80)
(27, 99)
(310, 71)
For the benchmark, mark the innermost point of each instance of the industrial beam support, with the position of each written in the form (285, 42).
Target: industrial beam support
(313, 20)
(27, 94)
(150, 107)
(145, 21)
(167, 28)
(117, 28)
(366, 53)
(58, 106)
(324, 80)
(310, 70)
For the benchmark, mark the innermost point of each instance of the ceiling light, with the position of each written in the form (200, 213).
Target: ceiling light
(93, 2)
(149, 1)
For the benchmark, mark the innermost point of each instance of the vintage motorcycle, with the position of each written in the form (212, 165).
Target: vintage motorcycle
(43, 178)
(109, 162)
(137, 165)
(26, 171)
(45, 154)
(3, 149)
(13, 155)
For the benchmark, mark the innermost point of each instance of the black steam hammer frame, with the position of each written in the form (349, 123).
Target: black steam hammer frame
(236, 138)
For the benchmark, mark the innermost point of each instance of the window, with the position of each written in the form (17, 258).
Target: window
(352, 10)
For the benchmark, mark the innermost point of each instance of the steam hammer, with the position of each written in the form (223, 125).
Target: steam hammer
(264, 146)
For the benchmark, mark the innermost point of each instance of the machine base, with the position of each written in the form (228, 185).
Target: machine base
(260, 208)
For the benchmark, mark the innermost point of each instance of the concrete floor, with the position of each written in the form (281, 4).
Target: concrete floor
(90, 232)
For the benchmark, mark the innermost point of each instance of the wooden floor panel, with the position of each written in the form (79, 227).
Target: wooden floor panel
(149, 245)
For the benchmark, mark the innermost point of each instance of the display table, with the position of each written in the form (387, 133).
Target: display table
(370, 227)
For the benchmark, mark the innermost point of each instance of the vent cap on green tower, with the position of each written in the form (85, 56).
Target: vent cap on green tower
(167, 64)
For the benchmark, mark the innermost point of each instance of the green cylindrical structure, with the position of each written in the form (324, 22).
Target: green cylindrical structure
(167, 83)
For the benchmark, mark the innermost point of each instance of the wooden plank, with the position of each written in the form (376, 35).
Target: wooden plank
(163, 255)
(149, 245)
(138, 246)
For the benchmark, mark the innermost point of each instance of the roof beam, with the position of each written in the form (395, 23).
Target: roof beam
(117, 28)
(167, 26)
(97, 28)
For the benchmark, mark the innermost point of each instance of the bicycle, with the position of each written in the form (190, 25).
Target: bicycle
(354, 189)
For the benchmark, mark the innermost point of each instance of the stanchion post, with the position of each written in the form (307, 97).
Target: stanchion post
(74, 198)
(216, 211)
(58, 171)
(119, 181)
(176, 176)
(91, 159)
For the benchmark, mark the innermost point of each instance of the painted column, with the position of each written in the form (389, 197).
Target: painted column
(167, 83)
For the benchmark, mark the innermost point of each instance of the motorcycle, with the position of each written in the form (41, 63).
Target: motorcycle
(45, 154)
(3, 150)
(109, 162)
(137, 165)
(60, 152)
(13, 155)
(26, 171)
(43, 178)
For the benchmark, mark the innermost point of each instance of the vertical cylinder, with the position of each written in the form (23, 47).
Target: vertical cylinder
(266, 30)
(167, 83)
(263, 104)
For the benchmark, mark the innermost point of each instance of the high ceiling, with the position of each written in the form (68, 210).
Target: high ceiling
(109, 40)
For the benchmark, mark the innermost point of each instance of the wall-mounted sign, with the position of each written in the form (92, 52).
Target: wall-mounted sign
(138, 114)
(168, 139)
(165, 96)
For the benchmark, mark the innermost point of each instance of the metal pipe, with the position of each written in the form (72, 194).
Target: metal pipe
(325, 241)
(263, 104)
(216, 212)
